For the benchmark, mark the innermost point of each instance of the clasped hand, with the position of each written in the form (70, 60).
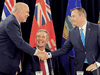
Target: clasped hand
(42, 55)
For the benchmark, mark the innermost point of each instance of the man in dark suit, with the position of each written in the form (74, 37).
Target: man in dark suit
(11, 41)
(32, 64)
(85, 38)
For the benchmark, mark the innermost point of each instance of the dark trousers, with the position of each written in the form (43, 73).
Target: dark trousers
(84, 69)
(6, 74)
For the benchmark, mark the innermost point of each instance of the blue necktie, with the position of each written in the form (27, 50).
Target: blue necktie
(83, 41)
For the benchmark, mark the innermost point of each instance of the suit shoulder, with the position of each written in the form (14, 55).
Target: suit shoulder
(10, 20)
(73, 29)
(94, 24)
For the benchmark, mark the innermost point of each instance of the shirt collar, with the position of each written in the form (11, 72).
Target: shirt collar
(84, 27)
(18, 21)
(40, 50)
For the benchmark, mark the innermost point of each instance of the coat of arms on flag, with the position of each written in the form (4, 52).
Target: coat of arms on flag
(68, 26)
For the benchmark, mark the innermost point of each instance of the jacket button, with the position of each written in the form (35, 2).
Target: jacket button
(85, 52)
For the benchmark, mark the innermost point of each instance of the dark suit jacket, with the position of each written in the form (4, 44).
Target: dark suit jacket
(11, 45)
(31, 64)
(92, 46)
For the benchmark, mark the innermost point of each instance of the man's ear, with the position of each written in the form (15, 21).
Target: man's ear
(18, 11)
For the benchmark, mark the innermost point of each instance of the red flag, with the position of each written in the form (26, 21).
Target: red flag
(42, 20)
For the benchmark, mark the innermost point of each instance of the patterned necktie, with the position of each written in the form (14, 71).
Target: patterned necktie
(83, 41)
(42, 67)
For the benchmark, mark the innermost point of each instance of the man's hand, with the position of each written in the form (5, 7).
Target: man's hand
(92, 67)
(42, 55)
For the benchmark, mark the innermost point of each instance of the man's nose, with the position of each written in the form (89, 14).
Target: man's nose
(28, 15)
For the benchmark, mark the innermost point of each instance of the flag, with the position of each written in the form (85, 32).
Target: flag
(99, 19)
(8, 5)
(42, 20)
(68, 26)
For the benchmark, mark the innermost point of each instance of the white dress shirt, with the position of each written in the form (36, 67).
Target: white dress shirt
(45, 63)
(84, 29)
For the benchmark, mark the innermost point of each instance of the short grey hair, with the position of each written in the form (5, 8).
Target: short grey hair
(43, 30)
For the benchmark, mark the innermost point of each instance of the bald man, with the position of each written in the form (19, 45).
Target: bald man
(11, 41)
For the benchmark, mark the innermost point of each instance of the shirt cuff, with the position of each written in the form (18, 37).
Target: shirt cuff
(49, 55)
(35, 52)
(98, 64)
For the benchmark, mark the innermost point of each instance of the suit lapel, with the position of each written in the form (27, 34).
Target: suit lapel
(37, 62)
(49, 63)
(77, 36)
(88, 30)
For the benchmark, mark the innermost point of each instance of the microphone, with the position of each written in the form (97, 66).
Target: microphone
(52, 73)
(96, 64)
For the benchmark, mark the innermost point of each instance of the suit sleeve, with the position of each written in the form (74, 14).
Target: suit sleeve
(13, 31)
(67, 47)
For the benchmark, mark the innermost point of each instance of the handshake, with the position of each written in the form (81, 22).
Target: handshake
(42, 55)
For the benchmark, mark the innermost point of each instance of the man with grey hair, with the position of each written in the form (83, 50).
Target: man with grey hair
(11, 41)
(32, 64)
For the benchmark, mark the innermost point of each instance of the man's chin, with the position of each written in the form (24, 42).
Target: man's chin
(23, 21)
(74, 24)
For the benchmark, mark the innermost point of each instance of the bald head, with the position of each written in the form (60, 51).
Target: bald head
(18, 6)
(21, 11)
